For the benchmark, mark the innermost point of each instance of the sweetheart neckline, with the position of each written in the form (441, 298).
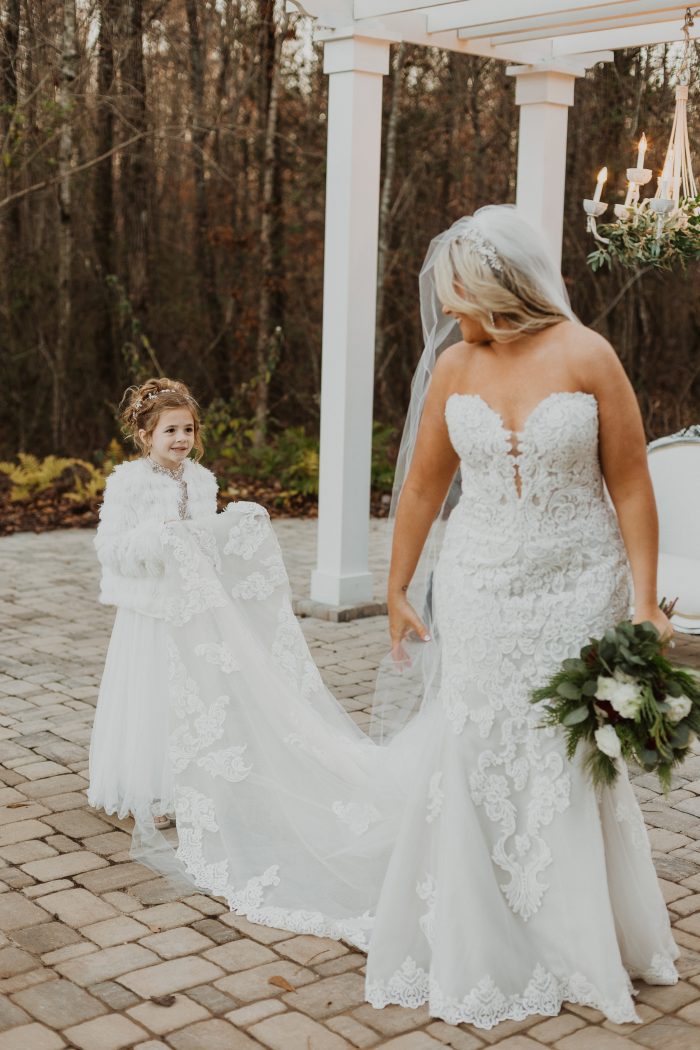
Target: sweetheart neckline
(533, 411)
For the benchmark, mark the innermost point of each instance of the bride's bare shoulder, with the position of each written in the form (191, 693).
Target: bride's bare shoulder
(453, 360)
(590, 354)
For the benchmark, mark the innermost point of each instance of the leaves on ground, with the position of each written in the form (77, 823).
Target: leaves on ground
(281, 982)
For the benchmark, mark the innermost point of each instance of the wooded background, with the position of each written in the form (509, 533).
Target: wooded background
(161, 209)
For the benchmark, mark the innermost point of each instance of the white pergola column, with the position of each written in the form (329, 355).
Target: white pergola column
(356, 66)
(544, 95)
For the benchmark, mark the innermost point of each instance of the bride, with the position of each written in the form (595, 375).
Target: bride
(475, 865)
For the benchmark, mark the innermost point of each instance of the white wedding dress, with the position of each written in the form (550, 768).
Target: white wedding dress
(475, 864)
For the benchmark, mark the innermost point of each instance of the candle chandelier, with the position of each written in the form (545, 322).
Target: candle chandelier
(663, 229)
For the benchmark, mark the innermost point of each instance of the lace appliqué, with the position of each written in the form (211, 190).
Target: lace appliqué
(198, 726)
(486, 1005)
(228, 764)
(427, 891)
(220, 654)
(201, 591)
(291, 653)
(631, 816)
(260, 585)
(207, 544)
(523, 856)
(661, 970)
(357, 815)
(250, 532)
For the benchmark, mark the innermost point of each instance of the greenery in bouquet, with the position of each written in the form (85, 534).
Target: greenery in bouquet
(623, 699)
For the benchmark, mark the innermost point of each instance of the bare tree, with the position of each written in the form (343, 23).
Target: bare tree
(268, 340)
(135, 185)
(386, 201)
(203, 254)
(9, 44)
(104, 228)
(68, 73)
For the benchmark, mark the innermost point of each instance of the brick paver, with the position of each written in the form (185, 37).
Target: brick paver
(97, 953)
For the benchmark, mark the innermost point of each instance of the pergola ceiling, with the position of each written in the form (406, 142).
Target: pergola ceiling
(515, 30)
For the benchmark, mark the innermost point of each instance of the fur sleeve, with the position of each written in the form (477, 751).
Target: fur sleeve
(123, 544)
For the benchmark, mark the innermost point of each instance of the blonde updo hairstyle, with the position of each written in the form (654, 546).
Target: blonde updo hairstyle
(142, 406)
(499, 274)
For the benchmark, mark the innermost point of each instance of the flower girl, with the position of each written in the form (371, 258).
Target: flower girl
(129, 768)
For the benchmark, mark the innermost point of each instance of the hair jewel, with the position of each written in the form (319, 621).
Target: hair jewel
(482, 248)
(150, 396)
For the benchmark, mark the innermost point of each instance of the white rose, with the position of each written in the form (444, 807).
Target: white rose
(608, 741)
(622, 692)
(679, 707)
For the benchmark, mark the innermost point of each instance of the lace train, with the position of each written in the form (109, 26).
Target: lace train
(468, 857)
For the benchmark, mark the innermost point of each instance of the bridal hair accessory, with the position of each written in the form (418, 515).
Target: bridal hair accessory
(138, 405)
(482, 249)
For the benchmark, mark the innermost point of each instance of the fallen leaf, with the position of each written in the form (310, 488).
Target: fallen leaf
(281, 982)
(16, 805)
(163, 1000)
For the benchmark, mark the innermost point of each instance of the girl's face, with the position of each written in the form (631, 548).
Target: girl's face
(172, 439)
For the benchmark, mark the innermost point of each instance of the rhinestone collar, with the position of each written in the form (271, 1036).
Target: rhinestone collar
(177, 475)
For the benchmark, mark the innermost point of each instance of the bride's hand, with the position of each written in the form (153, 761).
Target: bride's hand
(403, 620)
(659, 619)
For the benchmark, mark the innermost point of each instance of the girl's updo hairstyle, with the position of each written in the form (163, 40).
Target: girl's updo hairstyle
(142, 406)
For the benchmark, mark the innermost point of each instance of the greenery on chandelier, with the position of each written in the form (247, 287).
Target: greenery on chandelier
(634, 244)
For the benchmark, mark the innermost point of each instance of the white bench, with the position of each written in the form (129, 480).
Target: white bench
(674, 464)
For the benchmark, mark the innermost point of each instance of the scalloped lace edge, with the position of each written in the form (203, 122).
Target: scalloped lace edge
(486, 1006)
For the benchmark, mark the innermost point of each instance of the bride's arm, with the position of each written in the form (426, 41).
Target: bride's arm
(431, 472)
(623, 458)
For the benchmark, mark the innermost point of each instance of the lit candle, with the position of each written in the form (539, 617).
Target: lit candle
(642, 151)
(666, 176)
(602, 176)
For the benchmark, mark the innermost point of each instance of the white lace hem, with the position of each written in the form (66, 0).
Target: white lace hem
(661, 970)
(486, 1005)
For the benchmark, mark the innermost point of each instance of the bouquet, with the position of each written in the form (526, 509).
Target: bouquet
(623, 698)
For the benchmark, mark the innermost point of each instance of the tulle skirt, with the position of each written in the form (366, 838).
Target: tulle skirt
(130, 771)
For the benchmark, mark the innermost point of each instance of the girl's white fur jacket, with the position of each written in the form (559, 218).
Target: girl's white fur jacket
(137, 501)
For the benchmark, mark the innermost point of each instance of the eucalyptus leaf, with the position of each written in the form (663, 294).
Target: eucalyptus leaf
(681, 735)
(569, 690)
(579, 714)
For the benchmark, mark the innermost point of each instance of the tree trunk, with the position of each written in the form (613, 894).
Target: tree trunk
(269, 335)
(134, 167)
(68, 72)
(204, 260)
(9, 44)
(385, 202)
(104, 185)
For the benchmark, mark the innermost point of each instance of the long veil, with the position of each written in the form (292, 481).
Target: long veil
(404, 686)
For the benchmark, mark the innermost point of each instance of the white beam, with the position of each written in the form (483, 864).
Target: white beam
(411, 28)
(490, 17)
(544, 97)
(616, 15)
(377, 8)
(355, 66)
(572, 30)
(634, 36)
